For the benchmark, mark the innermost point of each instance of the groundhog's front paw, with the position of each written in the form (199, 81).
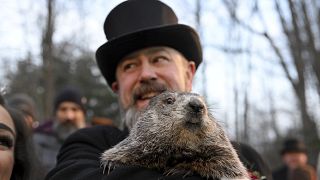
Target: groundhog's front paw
(108, 166)
(106, 163)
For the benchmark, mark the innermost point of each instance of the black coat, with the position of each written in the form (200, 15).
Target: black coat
(280, 174)
(79, 158)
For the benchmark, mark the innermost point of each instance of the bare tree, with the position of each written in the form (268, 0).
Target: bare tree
(246, 106)
(301, 29)
(47, 46)
(302, 51)
(273, 115)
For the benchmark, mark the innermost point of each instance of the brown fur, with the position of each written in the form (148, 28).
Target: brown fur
(177, 134)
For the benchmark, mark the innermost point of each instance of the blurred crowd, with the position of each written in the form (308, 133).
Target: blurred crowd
(35, 145)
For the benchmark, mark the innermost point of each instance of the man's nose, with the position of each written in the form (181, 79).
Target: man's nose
(70, 115)
(148, 72)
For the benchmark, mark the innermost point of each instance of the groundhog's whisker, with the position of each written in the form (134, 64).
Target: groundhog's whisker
(109, 167)
(104, 167)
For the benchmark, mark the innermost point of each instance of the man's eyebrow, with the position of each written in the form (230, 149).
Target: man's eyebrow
(5, 127)
(148, 51)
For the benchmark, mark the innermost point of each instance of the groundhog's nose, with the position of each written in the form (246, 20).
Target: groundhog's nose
(196, 105)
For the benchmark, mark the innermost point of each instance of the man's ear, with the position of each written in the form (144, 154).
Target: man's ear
(191, 70)
(115, 87)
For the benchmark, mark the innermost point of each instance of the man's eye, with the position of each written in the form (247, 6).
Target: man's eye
(76, 109)
(5, 142)
(160, 59)
(129, 66)
(62, 109)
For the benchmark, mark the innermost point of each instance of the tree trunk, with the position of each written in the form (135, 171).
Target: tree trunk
(47, 59)
(273, 116)
(246, 137)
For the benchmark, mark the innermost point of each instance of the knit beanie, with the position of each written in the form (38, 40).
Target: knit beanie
(70, 94)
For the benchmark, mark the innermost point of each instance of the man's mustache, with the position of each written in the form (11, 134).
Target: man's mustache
(148, 87)
(67, 122)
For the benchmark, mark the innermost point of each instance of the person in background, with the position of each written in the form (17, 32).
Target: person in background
(17, 158)
(69, 116)
(26, 105)
(294, 155)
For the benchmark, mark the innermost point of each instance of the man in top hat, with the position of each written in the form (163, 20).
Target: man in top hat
(147, 52)
(294, 155)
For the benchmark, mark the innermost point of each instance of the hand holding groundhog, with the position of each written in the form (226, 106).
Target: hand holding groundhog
(176, 134)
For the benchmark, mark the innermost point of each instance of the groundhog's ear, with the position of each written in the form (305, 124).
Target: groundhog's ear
(115, 87)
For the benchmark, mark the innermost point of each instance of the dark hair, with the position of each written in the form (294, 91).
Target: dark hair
(252, 160)
(24, 157)
(1, 100)
(24, 103)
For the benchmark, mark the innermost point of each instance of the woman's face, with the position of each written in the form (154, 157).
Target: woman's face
(7, 141)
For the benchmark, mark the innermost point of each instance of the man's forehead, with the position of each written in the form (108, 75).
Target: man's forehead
(68, 104)
(148, 51)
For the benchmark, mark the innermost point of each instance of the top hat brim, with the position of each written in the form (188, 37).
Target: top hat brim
(293, 150)
(180, 37)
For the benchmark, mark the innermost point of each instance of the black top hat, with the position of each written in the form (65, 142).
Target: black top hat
(137, 24)
(293, 145)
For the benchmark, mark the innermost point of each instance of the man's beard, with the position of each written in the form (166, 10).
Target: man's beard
(63, 130)
(129, 115)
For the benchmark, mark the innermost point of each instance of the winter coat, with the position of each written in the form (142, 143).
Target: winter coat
(79, 158)
(47, 145)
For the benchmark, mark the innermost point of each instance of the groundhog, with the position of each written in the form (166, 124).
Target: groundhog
(177, 134)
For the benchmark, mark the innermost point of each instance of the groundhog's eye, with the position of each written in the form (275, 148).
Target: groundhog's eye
(170, 100)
